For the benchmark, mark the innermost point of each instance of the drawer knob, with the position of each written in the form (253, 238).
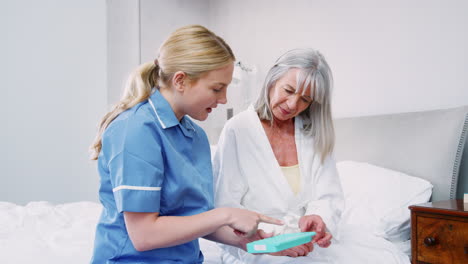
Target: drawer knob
(430, 241)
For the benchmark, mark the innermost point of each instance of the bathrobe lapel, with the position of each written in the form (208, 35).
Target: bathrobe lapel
(272, 173)
(275, 175)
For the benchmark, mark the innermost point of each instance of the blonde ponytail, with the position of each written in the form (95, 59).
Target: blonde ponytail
(192, 49)
(137, 89)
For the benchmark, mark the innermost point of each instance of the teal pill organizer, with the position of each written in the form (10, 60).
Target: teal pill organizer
(280, 242)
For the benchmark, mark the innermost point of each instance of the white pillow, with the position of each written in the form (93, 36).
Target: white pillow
(377, 199)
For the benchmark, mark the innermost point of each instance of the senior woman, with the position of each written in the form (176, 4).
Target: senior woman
(276, 157)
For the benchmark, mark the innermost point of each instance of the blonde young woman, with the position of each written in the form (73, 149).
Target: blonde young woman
(276, 157)
(154, 162)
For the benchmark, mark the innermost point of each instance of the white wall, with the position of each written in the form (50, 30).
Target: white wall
(386, 56)
(390, 56)
(137, 28)
(159, 18)
(123, 45)
(53, 69)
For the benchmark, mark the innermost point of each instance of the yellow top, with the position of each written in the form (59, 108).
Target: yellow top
(293, 176)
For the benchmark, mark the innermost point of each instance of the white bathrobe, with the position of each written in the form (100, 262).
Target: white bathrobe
(247, 175)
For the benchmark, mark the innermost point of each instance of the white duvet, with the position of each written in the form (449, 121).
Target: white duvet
(41, 232)
(44, 233)
(355, 247)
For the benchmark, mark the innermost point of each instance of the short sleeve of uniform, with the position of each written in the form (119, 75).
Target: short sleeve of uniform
(136, 167)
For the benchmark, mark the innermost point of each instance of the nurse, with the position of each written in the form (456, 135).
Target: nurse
(154, 162)
(276, 156)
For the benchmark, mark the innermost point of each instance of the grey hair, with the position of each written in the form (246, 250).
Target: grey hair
(315, 74)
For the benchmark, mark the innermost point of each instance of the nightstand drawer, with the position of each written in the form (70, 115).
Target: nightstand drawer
(441, 240)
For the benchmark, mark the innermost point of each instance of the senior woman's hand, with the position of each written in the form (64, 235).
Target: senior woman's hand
(314, 223)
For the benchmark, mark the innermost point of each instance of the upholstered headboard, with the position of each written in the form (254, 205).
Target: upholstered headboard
(431, 145)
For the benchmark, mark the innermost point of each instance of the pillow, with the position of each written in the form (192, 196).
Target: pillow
(377, 199)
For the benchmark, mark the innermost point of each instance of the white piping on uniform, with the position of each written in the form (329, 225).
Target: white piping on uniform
(138, 188)
(154, 109)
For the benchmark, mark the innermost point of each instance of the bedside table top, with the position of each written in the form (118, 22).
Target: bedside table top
(452, 207)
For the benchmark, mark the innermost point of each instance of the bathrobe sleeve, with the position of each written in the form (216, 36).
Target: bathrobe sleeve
(229, 181)
(329, 200)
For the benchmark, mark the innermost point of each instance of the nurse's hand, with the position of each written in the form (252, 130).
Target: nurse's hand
(260, 234)
(314, 223)
(245, 222)
(297, 251)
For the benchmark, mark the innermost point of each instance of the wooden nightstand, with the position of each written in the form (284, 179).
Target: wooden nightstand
(439, 232)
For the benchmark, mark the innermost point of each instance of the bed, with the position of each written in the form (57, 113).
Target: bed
(386, 163)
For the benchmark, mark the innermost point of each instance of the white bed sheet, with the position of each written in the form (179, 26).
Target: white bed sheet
(44, 233)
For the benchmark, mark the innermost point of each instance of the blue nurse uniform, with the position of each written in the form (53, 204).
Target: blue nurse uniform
(151, 162)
